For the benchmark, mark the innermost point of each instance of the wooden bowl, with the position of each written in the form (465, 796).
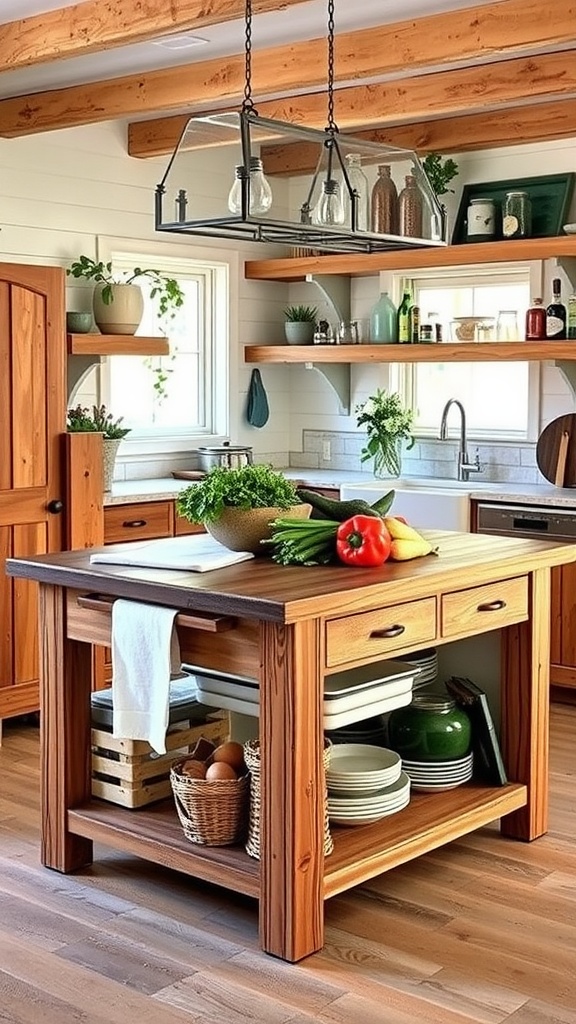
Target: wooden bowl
(242, 529)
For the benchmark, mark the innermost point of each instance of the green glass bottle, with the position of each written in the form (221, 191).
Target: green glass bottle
(404, 322)
(383, 320)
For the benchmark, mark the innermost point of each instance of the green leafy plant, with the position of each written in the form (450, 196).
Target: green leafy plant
(165, 290)
(387, 423)
(247, 487)
(301, 314)
(95, 421)
(439, 172)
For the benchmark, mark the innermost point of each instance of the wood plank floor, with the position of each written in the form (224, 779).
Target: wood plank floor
(482, 930)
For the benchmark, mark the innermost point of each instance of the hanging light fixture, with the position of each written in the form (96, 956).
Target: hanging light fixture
(321, 208)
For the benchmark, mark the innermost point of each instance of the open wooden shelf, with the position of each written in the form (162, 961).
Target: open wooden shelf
(363, 264)
(430, 820)
(446, 352)
(116, 345)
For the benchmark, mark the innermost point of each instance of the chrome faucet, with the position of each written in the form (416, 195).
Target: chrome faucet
(465, 467)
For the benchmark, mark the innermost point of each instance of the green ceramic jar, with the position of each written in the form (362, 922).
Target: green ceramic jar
(431, 728)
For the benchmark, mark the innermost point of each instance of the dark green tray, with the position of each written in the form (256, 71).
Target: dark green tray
(550, 195)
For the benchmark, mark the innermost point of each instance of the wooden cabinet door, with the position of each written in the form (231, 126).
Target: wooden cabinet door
(32, 421)
(563, 626)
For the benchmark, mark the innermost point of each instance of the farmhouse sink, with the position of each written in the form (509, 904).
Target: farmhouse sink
(423, 503)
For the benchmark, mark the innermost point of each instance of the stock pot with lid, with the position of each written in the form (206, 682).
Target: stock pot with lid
(224, 456)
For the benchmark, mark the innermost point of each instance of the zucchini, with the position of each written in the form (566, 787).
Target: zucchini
(338, 510)
(384, 504)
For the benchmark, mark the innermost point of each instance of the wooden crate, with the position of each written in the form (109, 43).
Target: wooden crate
(130, 773)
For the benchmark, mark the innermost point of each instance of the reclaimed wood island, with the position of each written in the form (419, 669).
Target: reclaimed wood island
(289, 627)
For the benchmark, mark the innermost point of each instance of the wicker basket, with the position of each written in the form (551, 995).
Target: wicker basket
(213, 813)
(252, 759)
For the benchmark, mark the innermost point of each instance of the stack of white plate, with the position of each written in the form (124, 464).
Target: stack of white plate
(437, 776)
(365, 783)
(349, 696)
(427, 663)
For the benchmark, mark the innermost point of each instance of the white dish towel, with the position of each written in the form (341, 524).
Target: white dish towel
(145, 652)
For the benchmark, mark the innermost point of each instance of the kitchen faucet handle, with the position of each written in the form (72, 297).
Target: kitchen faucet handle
(479, 466)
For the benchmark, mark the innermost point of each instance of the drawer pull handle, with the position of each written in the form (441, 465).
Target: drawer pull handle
(133, 523)
(208, 623)
(492, 606)
(387, 632)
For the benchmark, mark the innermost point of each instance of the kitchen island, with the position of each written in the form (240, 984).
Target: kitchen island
(289, 627)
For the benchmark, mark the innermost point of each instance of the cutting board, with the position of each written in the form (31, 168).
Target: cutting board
(556, 451)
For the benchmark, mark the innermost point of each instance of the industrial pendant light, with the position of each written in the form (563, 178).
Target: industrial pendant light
(320, 202)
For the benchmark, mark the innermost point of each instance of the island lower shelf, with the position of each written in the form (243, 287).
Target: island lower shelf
(360, 852)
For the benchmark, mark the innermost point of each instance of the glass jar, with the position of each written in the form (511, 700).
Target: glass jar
(481, 220)
(359, 182)
(517, 215)
(536, 321)
(431, 728)
(410, 209)
(507, 325)
(384, 204)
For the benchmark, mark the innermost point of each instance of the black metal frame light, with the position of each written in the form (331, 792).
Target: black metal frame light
(242, 133)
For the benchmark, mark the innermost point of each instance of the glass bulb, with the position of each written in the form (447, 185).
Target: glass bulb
(329, 209)
(259, 189)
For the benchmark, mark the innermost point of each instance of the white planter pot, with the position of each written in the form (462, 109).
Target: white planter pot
(123, 314)
(110, 446)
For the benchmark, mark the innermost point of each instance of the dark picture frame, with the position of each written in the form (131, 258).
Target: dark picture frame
(550, 195)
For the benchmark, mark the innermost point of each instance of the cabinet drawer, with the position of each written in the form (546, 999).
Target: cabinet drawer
(137, 521)
(183, 526)
(482, 608)
(376, 634)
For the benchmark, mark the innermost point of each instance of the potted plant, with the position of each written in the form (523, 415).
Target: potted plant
(117, 300)
(388, 424)
(80, 419)
(237, 505)
(440, 173)
(300, 324)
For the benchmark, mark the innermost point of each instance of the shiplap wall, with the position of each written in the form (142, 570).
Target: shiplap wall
(63, 190)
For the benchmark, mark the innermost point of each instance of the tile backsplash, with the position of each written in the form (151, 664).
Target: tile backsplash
(503, 463)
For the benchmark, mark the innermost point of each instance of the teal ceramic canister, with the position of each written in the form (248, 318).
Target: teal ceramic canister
(431, 728)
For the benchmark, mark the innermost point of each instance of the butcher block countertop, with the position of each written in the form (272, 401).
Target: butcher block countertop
(288, 627)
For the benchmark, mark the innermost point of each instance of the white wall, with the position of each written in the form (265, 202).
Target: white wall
(63, 190)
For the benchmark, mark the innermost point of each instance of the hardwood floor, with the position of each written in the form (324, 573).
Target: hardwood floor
(481, 930)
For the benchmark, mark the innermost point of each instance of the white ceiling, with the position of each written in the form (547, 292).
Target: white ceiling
(305, 21)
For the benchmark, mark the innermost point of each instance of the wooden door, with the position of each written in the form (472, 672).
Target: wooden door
(563, 635)
(32, 422)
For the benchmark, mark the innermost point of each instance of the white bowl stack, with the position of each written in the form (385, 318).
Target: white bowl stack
(365, 783)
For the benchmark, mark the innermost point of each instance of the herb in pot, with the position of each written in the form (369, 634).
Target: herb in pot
(252, 486)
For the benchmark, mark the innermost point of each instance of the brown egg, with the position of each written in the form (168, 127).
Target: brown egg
(194, 769)
(230, 753)
(220, 771)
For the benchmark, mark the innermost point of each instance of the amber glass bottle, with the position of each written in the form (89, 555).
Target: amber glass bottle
(384, 204)
(410, 205)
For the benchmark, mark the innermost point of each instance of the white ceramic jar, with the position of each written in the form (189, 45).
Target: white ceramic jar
(481, 220)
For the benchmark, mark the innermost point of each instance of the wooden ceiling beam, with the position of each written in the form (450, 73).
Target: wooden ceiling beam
(104, 24)
(512, 126)
(488, 87)
(473, 34)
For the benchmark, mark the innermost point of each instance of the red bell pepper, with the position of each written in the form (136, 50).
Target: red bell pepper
(363, 540)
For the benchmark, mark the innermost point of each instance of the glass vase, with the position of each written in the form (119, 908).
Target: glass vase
(388, 458)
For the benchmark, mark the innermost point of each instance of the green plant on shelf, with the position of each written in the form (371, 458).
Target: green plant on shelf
(301, 314)
(81, 419)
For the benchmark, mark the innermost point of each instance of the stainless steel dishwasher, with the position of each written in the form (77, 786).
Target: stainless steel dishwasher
(527, 521)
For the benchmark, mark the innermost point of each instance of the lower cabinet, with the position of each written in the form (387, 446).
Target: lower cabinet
(563, 637)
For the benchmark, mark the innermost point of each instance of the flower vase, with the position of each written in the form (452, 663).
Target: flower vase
(388, 459)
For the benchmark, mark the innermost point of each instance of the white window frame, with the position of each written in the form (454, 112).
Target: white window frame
(222, 368)
(402, 375)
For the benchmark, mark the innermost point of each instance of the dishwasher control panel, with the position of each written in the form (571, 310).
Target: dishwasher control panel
(526, 521)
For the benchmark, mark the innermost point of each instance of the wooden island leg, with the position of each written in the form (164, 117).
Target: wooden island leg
(526, 709)
(65, 674)
(292, 808)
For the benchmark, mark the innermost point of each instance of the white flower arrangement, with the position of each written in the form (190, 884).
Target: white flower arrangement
(387, 424)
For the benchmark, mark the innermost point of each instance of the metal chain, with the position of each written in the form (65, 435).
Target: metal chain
(331, 125)
(247, 104)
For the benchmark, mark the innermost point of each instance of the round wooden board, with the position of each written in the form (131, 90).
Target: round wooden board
(556, 451)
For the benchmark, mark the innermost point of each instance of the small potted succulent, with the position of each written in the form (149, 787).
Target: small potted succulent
(97, 420)
(300, 324)
(237, 505)
(117, 301)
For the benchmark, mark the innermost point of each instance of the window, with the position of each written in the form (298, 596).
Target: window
(175, 401)
(500, 398)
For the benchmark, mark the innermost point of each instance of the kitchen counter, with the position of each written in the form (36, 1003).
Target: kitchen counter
(127, 491)
(288, 627)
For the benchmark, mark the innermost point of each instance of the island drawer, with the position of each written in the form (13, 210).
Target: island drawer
(379, 633)
(482, 608)
(137, 521)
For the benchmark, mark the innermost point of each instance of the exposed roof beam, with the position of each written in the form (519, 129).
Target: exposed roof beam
(539, 122)
(104, 24)
(473, 34)
(424, 97)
